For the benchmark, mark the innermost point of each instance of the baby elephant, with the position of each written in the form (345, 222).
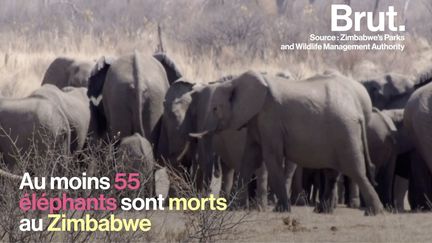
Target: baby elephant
(135, 155)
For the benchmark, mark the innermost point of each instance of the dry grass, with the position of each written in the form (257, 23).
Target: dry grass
(28, 44)
(206, 44)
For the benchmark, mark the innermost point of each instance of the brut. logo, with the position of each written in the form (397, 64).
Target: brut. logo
(342, 20)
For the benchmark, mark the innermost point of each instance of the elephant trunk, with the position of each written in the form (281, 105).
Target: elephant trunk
(206, 160)
(184, 151)
(205, 128)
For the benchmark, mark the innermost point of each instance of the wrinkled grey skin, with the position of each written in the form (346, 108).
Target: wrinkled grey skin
(76, 106)
(182, 109)
(25, 119)
(417, 119)
(290, 120)
(66, 71)
(127, 95)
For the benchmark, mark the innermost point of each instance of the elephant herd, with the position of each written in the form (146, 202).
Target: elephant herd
(292, 136)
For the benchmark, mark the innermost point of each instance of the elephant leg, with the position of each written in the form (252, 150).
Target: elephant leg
(400, 188)
(278, 181)
(297, 188)
(250, 162)
(341, 190)
(352, 163)
(420, 184)
(207, 159)
(373, 204)
(262, 179)
(289, 169)
(227, 180)
(387, 181)
(354, 194)
(328, 199)
(311, 185)
(316, 181)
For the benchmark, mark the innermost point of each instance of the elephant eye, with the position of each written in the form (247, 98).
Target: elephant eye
(214, 109)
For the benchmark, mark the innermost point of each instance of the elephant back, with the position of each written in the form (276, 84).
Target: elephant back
(133, 96)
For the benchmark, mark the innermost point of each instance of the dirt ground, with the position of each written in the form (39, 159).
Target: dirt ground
(303, 225)
(345, 225)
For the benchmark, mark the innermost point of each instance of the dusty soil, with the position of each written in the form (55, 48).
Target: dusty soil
(303, 225)
(345, 225)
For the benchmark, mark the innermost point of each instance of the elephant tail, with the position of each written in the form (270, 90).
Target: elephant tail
(137, 120)
(370, 167)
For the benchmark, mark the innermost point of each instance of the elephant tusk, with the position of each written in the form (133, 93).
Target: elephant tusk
(9, 175)
(198, 135)
(184, 151)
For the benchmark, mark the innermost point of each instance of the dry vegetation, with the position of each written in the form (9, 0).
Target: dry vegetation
(208, 39)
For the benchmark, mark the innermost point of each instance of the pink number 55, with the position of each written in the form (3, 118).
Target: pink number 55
(130, 181)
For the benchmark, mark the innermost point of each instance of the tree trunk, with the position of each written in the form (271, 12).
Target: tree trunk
(375, 10)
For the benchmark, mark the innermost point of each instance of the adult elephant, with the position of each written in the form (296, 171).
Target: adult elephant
(184, 112)
(67, 71)
(31, 123)
(318, 123)
(418, 121)
(128, 94)
(76, 106)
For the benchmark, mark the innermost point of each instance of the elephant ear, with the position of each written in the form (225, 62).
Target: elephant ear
(247, 97)
(173, 73)
(57, 72)
(176, 90)
(97, 80)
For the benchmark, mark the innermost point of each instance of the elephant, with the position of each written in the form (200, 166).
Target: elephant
(389, 145)
(127, 94)
(319, 123)
(388, 142)
(67, 71)
(417, 120)
(76, 106)
(136, 154)
(182, 115)
(32, 122)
